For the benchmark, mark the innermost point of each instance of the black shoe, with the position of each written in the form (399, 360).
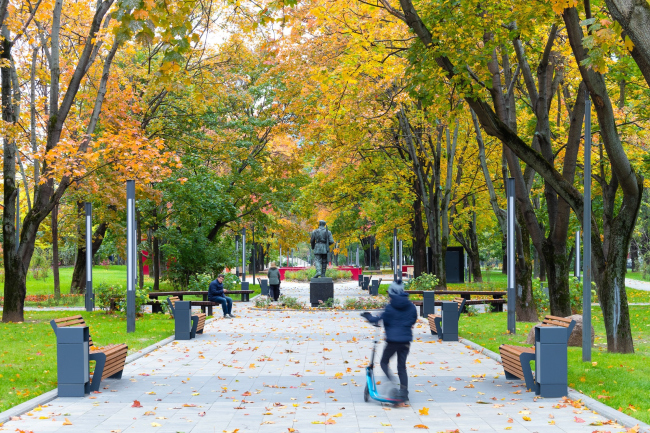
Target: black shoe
(232, 316)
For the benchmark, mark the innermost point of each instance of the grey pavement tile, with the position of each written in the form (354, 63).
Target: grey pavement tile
(271, 371)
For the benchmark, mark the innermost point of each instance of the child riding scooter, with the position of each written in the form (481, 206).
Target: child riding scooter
(399, 317)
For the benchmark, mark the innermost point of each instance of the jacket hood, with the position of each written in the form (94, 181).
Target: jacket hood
(400, 302)
(273, 267)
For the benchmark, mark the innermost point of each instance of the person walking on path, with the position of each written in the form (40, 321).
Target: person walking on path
(216, 294)
(398, 318)
(274, 281)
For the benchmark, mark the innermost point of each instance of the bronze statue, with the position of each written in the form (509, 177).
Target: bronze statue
(321, 239)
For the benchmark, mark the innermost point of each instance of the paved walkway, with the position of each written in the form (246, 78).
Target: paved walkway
(637, 284)
(342, 291)
(303, 372)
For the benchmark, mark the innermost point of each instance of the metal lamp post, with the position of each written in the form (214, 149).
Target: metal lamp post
(576, 271)
(90, 304)
(243, 255)
(130, 256)
(586, 233)
(512, 293)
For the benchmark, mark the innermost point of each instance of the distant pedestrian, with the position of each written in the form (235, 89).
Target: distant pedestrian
(274, 281)
(216, 294)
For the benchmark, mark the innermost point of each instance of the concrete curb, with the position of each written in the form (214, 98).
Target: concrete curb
(309, 310)
(51, 395)
(594, 405)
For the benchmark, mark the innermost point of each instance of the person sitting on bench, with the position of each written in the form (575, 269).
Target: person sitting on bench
(216, 294)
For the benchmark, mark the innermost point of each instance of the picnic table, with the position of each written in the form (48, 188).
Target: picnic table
(496, 302)
(157, 308)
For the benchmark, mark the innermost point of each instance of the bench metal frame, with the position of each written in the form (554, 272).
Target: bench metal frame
(195, 319)
(100, 363)
(525, 358)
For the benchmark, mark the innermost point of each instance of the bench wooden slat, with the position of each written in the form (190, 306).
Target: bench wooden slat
(560, 319)
(115, 353)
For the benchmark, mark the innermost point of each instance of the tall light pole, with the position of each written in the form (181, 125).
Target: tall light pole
(243, 255)
(394, 254)
(253, 253)
(90, 304)
(512, 293)
(586, 233)
(130, 256)
(576, 271)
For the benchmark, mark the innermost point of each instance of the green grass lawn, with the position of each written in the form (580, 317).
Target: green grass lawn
(637, 276)
(113, 275)
(28, 353)
(619, 381)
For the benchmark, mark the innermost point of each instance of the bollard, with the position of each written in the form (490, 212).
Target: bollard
(183, 320)
(428, 304)
(551, 362)
(264, 285)
(449, 321)
(360, 280)
(73, 372)
(374, 289)
(366, 283)
(245, 285)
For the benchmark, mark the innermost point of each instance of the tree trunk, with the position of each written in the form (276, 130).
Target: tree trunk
(558, 268)
(525, 307)
(155, 253)
(473, 251)
(78, 285)
(55, 251)
(15, 274)
(419, 240)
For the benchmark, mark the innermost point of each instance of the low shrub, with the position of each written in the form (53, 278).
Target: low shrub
(575, 292)
(423, 282)
(107, 295)
(307, 274)
(291, 302)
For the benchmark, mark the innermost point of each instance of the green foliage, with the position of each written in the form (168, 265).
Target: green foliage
(232, 282)
(308, 274)
(330, 303)
(575, 291)
(291, 302)
(199, 282)
(423, 282)
(105, 293)
(41, 263)
(263, 302)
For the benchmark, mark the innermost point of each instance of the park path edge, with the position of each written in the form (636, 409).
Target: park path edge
(594, 405)
(48, 396)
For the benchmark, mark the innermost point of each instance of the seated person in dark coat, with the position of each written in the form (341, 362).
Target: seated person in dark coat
(216, 294)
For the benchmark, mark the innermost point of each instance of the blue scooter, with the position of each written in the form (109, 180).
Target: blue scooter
(370, 391)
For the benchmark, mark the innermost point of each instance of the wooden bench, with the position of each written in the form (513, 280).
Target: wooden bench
(198, 320)
(205, 304)
(494, 304)
(516, 359)
(245, 294)
(435, 320)
(109, 360)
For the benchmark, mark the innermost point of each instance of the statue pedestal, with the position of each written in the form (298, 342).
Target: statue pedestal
(320, 289)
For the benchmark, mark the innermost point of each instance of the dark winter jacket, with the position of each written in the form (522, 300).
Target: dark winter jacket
(215, 290)
(398, 317)
(274, 276)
